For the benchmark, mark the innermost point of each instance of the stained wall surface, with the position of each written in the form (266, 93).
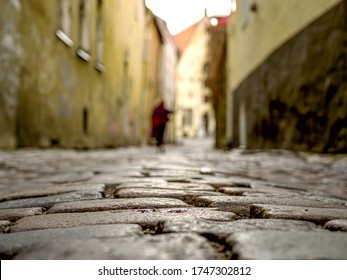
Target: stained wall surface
(295, 97)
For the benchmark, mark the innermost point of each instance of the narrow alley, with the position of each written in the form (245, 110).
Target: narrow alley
(192, 202)
(173, 130)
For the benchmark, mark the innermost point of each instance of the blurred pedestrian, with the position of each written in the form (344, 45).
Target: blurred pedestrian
(159, 119)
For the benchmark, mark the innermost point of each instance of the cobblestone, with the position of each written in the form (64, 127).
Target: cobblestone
(4, 223)
(192, 202)
(316, 215)
(41, 191)
(242, 204)
(143, 217)
(49, 201)
(13, 243)
(116, 204)
(162, 247)
(222, 230)
(16, 214)
(279, 245)
(336, 225)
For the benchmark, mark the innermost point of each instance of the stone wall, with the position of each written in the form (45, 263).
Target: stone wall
(297, 99)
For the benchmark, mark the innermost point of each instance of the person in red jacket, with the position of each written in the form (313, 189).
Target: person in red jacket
(160, 117)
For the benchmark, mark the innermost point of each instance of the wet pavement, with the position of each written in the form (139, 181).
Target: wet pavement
(192, 202)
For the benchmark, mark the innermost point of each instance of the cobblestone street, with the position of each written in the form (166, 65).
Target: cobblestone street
(192, 202)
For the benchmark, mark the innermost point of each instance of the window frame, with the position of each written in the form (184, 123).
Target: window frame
(64, 21)
(83, 50)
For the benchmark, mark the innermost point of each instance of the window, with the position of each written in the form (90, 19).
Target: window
(84, 28)
(187, 117)
(64, 21)
(99, 37)
(207, 98)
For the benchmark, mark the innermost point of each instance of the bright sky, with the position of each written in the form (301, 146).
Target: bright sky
(180, 14)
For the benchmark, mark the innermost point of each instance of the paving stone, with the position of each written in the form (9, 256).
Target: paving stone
(274, 194)
(116, 204)
(143, 217)
(115, 178)
(311, 214)
(299, 195)
(45, 190)
(49, 201)
(232, 182)
(241, 204)
(13, 243)
(66, 177)
(16, 214)
(168, 165)
(336, 225)
(326, 199)
(168, 186)
(235, 190)
(281, 245)
(16, 185)
(187, 196)
(179, 180)
(269, 177)
(159, 247)
(111, 181)
(123, 167)
(4, 223)
(175, 173)
(223, 229)
(206, 171)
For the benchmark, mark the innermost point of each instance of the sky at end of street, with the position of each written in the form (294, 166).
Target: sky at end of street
(181, 14)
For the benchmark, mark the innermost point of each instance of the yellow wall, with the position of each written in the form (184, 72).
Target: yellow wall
(153, 51)
(56, 87)
(191, 88)
(10, 56)
(284, 73)
(267, 28)
(124, 46)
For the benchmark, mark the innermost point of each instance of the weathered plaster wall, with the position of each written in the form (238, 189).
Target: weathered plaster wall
(59, 98)
(167, 74)
(191, 88)
(125, 33)
(10, 55)
(152, 80)
(262, 26)
(297, 99)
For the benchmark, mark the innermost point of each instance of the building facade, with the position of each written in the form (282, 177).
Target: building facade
(74, 73)
(167, 75)
(286, 81)
(194, 110)
(216, 76)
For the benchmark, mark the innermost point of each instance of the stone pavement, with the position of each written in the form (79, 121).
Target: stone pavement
(192, 202)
